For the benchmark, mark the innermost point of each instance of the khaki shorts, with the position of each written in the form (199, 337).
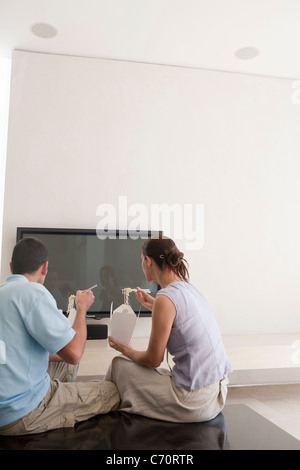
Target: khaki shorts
(66, 402)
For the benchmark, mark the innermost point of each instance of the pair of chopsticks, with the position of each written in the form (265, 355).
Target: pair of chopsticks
(93, 287)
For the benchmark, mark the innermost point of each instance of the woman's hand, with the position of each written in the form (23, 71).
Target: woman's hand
(122, 348)
(163, 315)
(145, 299)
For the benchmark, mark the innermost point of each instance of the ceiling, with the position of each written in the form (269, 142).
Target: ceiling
(201, 34)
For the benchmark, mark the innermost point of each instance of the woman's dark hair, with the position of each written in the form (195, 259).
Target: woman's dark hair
(166, 255)
(28, 256)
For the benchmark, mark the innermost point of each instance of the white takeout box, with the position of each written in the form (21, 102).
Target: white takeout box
(123, 321)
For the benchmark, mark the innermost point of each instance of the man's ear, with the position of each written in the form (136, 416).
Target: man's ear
(44, 268)
(10, 265)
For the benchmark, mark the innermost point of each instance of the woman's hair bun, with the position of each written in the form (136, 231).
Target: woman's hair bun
(174, 257)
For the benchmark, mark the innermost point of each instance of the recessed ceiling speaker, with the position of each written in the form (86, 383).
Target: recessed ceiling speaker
(43, 30)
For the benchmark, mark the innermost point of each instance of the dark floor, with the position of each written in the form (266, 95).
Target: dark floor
(237, 428)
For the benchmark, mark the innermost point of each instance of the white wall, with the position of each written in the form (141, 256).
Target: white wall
(85, 131)
(5, 68)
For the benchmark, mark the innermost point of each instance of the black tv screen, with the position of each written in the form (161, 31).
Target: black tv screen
(79, 259)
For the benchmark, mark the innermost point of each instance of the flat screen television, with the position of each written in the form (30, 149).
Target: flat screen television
(81, 258)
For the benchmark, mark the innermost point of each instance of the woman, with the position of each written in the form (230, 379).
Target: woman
(183, 323)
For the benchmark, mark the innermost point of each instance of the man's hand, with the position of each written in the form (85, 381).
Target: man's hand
(84, 299)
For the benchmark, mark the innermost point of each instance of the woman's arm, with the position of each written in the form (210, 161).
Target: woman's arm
(163, 315)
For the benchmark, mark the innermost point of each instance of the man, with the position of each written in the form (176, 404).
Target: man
(31, 329)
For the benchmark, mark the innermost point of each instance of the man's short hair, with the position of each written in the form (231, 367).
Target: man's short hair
(28, 256)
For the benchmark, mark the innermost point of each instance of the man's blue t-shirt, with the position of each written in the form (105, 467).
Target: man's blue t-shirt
(31, 327)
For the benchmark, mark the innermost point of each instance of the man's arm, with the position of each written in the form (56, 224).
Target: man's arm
(55, 358)
(73, 351)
